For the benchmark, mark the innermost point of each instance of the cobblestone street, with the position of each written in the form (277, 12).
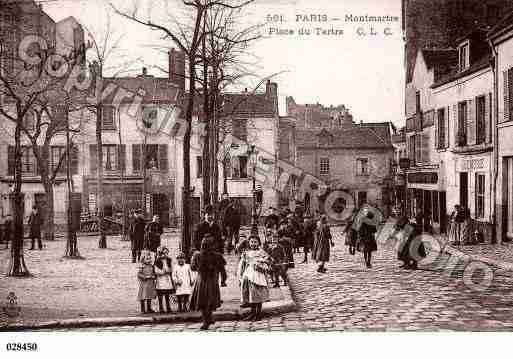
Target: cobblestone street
(384, 298)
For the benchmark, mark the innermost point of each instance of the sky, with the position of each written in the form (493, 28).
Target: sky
(363, 72)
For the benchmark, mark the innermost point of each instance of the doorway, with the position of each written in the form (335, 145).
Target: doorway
(464, 189)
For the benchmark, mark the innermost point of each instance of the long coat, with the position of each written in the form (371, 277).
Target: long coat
(137, 234)
(322, 244)
(34, 223)
(206, 294)
(309, 229)
(366, 240)
(153, 232)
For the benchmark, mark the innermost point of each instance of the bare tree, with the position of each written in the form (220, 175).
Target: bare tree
(105, 47)
(189, 39)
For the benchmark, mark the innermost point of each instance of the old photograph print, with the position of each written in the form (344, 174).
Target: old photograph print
(256, 165)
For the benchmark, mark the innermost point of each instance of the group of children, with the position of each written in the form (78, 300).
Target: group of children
(161, 279)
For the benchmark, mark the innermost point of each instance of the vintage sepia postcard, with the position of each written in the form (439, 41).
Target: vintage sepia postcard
(203, 166)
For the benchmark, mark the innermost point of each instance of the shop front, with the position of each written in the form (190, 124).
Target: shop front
(426, 199)
(473, 178)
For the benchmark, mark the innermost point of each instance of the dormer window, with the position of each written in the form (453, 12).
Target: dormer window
(464, 59)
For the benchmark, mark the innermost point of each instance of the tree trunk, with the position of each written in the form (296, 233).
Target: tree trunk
(214, 144)
(99, 193)
(50, 205)
(206, 120)
(17, 266)
(186, 200)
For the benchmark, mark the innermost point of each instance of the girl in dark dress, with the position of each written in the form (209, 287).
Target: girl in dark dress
(206, 295)
(321, 247)
(366, 240)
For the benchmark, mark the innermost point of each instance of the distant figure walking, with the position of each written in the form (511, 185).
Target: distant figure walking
(206, 295)
(35, 223)
(322, 244)
(366, 239)
(137, 231)
(351, 234)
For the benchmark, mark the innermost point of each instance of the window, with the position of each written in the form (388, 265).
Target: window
(436, 207)
(480, 195)
(324, 167)
(411, 149)
(29, 121)
(108, 118)
(152, 156)
(362, 167)
(418, 148)
(462, 124)
(418, 109)
(441, 128)
(58, 159)
(149, 115)
(110, 157)
(362, 198)
(239, 167)
(199, 167)
(28, 162)
(480, 119)
(240, 129)
(464, 56)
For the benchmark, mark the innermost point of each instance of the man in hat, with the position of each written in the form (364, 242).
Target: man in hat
(137, 235)
(208, 225)
(35, 221)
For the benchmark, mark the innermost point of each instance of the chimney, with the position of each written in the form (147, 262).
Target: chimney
(145, 71)
(271, 92)
(177, 67)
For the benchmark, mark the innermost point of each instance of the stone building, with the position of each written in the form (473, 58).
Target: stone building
(353, 158)
(501, 39)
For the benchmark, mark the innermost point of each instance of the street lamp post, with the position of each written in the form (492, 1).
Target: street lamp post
(252, 154)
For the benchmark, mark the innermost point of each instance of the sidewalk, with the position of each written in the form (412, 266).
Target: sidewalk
(100, 290)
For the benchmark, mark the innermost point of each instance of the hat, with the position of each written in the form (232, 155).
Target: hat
(180, 255)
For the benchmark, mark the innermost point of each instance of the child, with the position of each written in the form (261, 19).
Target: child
(146, 276)
(163, 271)
(278, 261)
(184, 279)
(253, 267)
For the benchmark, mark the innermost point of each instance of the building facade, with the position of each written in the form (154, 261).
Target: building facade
(502, 48)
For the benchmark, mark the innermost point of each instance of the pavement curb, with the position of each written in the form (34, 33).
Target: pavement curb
(270, 308)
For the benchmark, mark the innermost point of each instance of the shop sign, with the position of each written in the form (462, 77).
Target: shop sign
(472, 164)
(423, 177)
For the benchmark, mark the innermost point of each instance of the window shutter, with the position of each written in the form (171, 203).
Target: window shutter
(510, 93)
(471, 122)
(136, 158)
(199, 166)
(163, 165)
(122, 157)
(425, 147)
(488, 118)
(10, 161)
(506, 96)
(74, 160)
(447, 128)
(437, 126)
(455, 123)
(93, 154)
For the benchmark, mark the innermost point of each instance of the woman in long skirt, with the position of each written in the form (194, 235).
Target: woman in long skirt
(253, 266)
(366, 239)
(206, 295)
(323, 242)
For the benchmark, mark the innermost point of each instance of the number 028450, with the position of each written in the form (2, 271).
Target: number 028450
(21, 347)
